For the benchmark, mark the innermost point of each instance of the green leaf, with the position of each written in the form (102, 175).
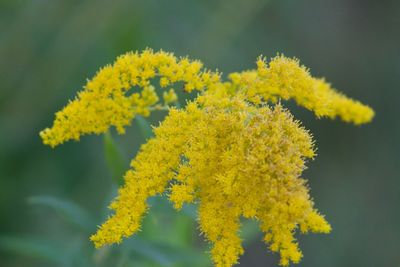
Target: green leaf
(148, 251)
(144, 127)
(116, 163)
(70, 211)
(163, 254)
(35, 248)
(188, 256)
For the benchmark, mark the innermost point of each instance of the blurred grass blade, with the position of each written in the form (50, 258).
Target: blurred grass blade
(148, 251)
(116, 163)
(35, 248)
(188, 256)
(144, 127)
(163, 254)
(70, 211)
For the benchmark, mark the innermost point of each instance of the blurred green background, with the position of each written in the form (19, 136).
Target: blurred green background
(49, 48)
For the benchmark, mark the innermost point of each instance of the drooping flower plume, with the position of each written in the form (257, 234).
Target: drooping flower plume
(233, 150)
(284, 78)
(113, 97)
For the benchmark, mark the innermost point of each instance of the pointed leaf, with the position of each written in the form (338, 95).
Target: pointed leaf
(35, 248)
(148, 251)
(70, 211)
(116, 162)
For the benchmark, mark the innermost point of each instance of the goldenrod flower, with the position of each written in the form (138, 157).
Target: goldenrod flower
(109, 99)
(285, 78)
(234, 159)
(228, 150)
(170, 97)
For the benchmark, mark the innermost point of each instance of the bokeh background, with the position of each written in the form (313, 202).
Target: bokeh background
(49, 48)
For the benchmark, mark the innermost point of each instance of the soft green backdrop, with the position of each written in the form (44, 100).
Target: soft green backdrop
(48, 48)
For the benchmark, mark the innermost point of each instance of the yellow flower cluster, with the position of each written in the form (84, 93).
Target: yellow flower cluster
(234, 159)
(226, 150)
(285, 78)
(109, 99)
(170, 97)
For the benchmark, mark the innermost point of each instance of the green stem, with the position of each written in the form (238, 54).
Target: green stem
(116, 162)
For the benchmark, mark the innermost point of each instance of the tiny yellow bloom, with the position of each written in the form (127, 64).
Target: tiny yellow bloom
(170, 97)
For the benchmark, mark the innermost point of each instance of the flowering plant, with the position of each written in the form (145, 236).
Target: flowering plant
(234, 150)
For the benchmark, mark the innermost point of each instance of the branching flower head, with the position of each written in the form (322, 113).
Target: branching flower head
(228, 151)
(235, 160)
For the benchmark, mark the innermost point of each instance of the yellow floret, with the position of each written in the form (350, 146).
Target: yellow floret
(170, 97)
